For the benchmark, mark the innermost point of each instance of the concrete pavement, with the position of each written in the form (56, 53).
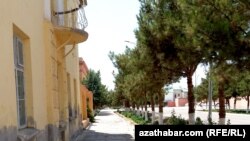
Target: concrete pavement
(108, 126)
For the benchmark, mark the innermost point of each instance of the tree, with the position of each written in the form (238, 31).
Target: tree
(166, 27)
(148, 43)
(224, 30)
(243, 87)
(93, 83)
(121, 62)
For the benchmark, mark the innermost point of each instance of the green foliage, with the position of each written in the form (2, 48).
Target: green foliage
(90, 115)
(238, 111)
(198, 121)
(178, 120)
(137, 119)
(173, 37)
(93, 83)
(115, 99)
(224, 28)
(155, 122)
(243, 81)
(175, 120)
(201, 91)
(212, 123)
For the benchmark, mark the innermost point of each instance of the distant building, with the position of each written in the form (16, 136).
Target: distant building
(86, 95)
(176, 97)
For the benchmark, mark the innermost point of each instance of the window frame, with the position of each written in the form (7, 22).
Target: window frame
(19, 67)
(19, 58)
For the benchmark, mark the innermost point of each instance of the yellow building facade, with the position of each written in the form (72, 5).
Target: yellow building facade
(40, 97)
(86, 95)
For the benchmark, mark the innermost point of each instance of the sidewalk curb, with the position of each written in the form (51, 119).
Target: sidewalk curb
(127, 119)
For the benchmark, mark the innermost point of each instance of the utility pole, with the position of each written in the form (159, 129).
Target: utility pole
(210, 93)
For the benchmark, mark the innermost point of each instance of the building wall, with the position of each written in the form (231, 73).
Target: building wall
(83, 68)
(52, 81)
(72, 68)
(25, 19)
(169, 97)
(241, 103)
(86, 95)
(45, 74)
(177, 97)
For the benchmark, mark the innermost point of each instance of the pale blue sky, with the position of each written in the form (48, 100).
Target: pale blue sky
(110, 24)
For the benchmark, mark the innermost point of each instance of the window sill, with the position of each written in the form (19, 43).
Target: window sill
(27, 134)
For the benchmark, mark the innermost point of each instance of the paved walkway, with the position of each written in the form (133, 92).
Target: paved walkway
(109, 126)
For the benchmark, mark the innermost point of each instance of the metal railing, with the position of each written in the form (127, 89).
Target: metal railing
(75, 19)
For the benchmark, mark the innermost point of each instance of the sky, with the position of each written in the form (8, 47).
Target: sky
(110, 24)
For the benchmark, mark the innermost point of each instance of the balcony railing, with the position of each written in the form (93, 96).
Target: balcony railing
(70, 23)
(75, 19)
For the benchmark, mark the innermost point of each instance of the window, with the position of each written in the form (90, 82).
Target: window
(19, 75)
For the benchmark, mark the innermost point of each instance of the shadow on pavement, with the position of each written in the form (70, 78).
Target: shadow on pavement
(97, 136)
(104, 113)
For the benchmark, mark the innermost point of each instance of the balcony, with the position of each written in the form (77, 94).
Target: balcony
(70, 24)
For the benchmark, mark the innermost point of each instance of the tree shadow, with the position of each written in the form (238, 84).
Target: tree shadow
(104, 113)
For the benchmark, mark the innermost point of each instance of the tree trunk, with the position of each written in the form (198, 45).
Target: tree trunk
(247, 103)
(152, 108)
(127, 105)
(138, 109)
(142, 107)
(133, 106)
(235, 99)
(146, 111)
(160, 108)
(191, 110)
(228, 103)
(214, 104)
(222, 112)
(141, 113)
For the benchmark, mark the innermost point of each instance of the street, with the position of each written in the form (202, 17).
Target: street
(240, 119)
(108, 126)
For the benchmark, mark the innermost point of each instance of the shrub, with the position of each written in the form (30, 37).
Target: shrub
(156, 122)
(90, 115)
(138, 119)
(174, 120)
(198, 121)
(238, 111)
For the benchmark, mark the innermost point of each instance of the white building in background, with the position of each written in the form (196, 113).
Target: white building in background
(176, 97)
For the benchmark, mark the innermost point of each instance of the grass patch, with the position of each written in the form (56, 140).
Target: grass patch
(237, 111)
(137, 119)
